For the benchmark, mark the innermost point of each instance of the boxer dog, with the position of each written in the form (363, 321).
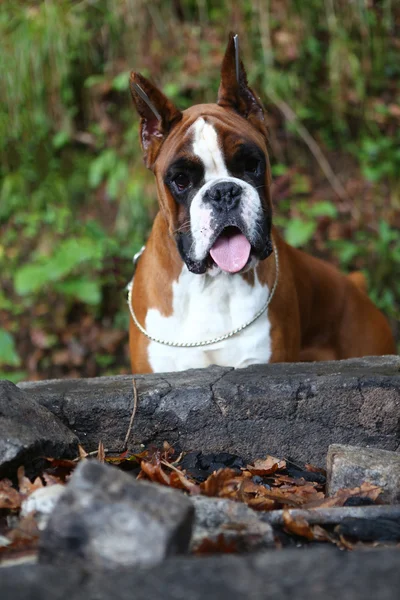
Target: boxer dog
(216, 283)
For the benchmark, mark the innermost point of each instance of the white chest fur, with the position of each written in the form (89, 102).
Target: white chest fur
(205, 307)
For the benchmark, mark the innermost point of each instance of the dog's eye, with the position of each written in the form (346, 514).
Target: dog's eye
(181, 181)
(251, 165)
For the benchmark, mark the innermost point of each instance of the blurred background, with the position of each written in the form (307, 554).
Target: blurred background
(76, 201)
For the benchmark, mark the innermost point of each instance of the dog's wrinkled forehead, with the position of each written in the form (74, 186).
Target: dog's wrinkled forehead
(210, 142)
(208, 148)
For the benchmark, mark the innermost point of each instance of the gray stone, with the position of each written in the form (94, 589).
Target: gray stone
(41, 582)
(290, 410)
(236, 522)
(350, 466)
(334, 516)
(316, 573)
(28, 432)
(110, 520)
(41, 503)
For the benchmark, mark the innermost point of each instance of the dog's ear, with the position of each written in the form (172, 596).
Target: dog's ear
(157, 115)
(234, 91)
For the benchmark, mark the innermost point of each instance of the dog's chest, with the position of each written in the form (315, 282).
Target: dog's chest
(203, 308)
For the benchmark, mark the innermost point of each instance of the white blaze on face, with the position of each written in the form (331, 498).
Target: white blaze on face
(206, 147)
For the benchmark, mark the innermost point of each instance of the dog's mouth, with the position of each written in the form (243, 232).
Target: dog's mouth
(231, 250)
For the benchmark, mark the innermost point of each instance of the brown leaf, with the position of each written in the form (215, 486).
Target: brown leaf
(26, 529)
(125, 457)
(261, 503)
(312, 469)
(155, 472)
(214, 484)
(82, 452)
(294, 495)
(218, 546)
(266, 466)
(10, 498)
(366, 490)
(62, 463)
(24, 484)
(60, 468)
(52, 479)
(179, 480)
(297, 525)
(101, 455)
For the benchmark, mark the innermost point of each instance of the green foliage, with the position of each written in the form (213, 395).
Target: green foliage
(380, 158)
(299, 231)
(8, 353)
(379, 254)
(75, 198)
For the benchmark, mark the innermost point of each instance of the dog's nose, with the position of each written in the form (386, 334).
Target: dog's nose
(224, 195)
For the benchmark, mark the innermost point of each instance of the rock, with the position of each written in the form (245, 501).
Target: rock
(334, 516)
(379, 530)
(42, 502)
(284, 575)
(238, 524)
(110, 520)
(28, 432)
(41, 582)
(291, 410)
(350, 466)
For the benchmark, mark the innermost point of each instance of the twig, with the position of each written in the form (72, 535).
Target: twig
(288, 112)
(93, 453)
(178, 460)
(135, 403)
(171, 466)
(291, 116)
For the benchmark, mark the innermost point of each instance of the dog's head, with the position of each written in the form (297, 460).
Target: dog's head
(212, 171)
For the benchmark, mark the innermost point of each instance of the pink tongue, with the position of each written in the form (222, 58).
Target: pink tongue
(231, 253)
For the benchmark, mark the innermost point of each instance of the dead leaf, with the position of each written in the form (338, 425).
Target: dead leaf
(218, 546)
(52, 479)
(82, 452)
(60, 468)
(213, 485)
(297, 525)
(262, 503)
(313, 469)
(26, 529)
(179, 480)
(101, 455)
(10, 498)
(365, 490)
(155, 472)
(266, 466)
(24, 484)
(126, 457)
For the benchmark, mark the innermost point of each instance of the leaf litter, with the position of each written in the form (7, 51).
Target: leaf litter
(267, 484)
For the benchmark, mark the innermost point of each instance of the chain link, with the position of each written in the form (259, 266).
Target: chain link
(216, 339)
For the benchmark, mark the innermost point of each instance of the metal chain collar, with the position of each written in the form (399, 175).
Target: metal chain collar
(206, 342)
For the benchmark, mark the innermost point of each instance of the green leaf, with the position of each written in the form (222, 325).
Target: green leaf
(279, 169)
(323, 209)
(86, 291)
(68, 256)
(301, 184)
(94, 80)
(299, 232)
(30, 278)
(8, 353)
(14, 376)
(121, 82)
(60, 139)
(347, 251)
